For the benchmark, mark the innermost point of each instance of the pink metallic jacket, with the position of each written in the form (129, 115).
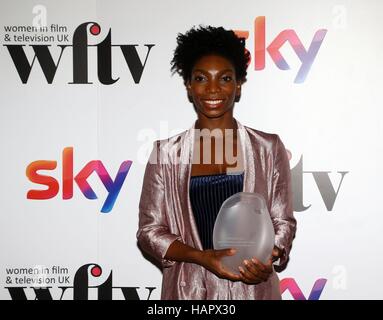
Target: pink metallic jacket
(165, 213)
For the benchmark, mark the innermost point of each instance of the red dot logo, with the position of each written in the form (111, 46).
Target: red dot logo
(96, 271)
(95, 29)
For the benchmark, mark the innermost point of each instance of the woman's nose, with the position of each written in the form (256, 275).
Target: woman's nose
(213, 86)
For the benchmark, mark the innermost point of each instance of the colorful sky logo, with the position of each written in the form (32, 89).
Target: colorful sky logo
(291, 285)
(112, 186)
(306, 57)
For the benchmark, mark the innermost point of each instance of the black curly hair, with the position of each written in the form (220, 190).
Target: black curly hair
(204, 40)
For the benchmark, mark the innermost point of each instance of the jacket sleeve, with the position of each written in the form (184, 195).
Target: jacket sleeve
(281, 202)
(153, 232)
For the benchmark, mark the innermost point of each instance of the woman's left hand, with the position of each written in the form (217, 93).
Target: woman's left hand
(255, 271)
(276, 254)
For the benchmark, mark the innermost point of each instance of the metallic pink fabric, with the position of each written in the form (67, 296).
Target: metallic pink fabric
(165, 213)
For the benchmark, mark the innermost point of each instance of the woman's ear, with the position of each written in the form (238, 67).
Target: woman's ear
(238, 92)
(188, 90)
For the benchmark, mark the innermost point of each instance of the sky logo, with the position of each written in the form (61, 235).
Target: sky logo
(112, 186)
(306, 56)
(291, 285)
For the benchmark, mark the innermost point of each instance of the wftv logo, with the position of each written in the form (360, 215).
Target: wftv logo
(328, 191)
(80, 57)
(112, 186)
(81, 287)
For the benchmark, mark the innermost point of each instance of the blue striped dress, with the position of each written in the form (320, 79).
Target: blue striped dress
(207, 193)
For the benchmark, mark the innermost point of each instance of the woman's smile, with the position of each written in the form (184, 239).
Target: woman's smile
(213, 103)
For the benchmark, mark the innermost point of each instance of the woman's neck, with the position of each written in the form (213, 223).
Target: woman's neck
(222, 123)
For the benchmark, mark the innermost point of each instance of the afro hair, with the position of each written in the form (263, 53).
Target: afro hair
(204, 40)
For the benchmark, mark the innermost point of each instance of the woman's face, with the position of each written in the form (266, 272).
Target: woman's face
(213, 87)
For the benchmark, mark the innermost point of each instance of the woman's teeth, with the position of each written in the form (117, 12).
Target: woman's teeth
(213, 101)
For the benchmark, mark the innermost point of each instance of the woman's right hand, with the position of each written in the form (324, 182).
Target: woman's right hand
(211, 260)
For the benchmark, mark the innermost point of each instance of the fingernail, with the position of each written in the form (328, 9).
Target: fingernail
(245, 262)
(241, 269)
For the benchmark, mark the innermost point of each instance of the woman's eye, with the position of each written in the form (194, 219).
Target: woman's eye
(227, 78)
(199, 78)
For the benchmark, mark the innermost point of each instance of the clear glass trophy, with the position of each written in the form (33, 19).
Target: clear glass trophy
(244, 223)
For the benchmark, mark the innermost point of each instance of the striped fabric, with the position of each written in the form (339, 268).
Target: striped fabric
(207, 193)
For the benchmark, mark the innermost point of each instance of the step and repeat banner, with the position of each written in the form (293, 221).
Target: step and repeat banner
(86, 88)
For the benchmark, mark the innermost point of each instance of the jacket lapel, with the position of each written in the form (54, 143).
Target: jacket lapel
(248, 159)
(187, 145)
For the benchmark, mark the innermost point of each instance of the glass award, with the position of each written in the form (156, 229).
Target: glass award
(244, 224)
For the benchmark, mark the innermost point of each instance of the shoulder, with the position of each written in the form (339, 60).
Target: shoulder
(261, 138)
(168, 150)
(165, 144)
(269, 143)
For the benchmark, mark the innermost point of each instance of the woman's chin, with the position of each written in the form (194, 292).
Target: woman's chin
(213, 112)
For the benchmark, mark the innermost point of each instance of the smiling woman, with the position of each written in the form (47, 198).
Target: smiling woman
(219, 157)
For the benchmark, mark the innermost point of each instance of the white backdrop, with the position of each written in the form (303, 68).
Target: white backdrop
(330, 122)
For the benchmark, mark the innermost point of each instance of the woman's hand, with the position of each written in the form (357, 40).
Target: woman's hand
(211, 260)
(276, 254)
(255, 271)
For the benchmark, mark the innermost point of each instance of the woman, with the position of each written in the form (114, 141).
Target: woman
(188, 176)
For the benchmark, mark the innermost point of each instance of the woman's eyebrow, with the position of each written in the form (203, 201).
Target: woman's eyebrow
(204, 71)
